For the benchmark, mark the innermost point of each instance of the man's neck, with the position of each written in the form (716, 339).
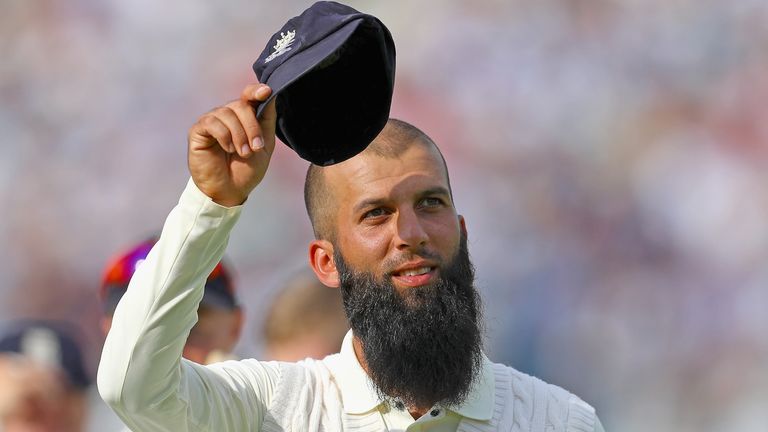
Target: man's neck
(416, 413)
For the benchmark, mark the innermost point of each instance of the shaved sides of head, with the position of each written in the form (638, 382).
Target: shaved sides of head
(396, 137)
(317, 199)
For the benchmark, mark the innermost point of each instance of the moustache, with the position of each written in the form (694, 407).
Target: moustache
(391, 265)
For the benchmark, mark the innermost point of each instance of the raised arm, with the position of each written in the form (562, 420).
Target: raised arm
(142, 374)
(229, 150)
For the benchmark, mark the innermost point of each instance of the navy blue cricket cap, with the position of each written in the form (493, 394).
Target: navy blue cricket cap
(49, 344)
(332, 74)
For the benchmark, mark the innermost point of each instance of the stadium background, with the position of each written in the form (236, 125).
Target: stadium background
(609, 155)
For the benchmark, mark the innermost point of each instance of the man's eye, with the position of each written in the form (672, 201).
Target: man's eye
(375, 213)
(431, 202)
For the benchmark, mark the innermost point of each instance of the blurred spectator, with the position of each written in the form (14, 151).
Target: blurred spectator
(219, 318)
(306, 319)
(43, 381)
(212, 339)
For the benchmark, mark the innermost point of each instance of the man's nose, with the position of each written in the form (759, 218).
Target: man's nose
(410, 232)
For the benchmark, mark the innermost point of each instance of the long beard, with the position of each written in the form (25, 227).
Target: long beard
(421, 346)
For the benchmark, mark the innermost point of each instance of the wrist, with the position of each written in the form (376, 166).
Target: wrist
(228, 201)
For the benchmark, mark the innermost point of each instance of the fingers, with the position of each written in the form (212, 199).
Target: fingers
(246, 118)
(210, 131)
(255, 93)
(234, 126)
(269, 119)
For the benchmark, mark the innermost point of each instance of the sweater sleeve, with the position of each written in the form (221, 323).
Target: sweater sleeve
(142, 375)
(598, 425)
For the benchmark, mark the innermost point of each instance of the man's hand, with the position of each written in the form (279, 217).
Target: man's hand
(229, 150)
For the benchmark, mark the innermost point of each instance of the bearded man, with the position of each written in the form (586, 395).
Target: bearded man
(386, 233)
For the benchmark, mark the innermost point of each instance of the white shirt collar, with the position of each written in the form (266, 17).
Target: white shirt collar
(359, 395)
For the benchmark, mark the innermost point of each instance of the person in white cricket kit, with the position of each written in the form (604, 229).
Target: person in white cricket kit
(387, 234)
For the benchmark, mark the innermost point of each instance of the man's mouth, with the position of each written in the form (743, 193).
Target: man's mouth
(415, 276)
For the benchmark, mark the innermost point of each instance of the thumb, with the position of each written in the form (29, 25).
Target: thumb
(267, 120)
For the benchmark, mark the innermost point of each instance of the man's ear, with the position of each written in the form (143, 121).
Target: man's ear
(322, 262)
(463, 226)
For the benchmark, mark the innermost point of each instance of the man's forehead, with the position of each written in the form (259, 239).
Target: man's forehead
(369, 169)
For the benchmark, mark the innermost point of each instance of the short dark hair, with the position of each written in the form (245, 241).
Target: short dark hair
(391, 143)
(317, 201)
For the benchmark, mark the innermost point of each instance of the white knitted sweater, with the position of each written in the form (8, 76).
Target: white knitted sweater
(522, 404)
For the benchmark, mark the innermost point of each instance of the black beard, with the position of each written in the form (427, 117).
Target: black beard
(422, 346)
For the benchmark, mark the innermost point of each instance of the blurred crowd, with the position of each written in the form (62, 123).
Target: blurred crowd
(609, 156)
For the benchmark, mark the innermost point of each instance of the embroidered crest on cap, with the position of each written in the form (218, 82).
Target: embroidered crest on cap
(282, 45)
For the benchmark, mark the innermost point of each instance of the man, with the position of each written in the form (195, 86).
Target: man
(219, 316)
(306, 319)
(388, 235)
(42, 379)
